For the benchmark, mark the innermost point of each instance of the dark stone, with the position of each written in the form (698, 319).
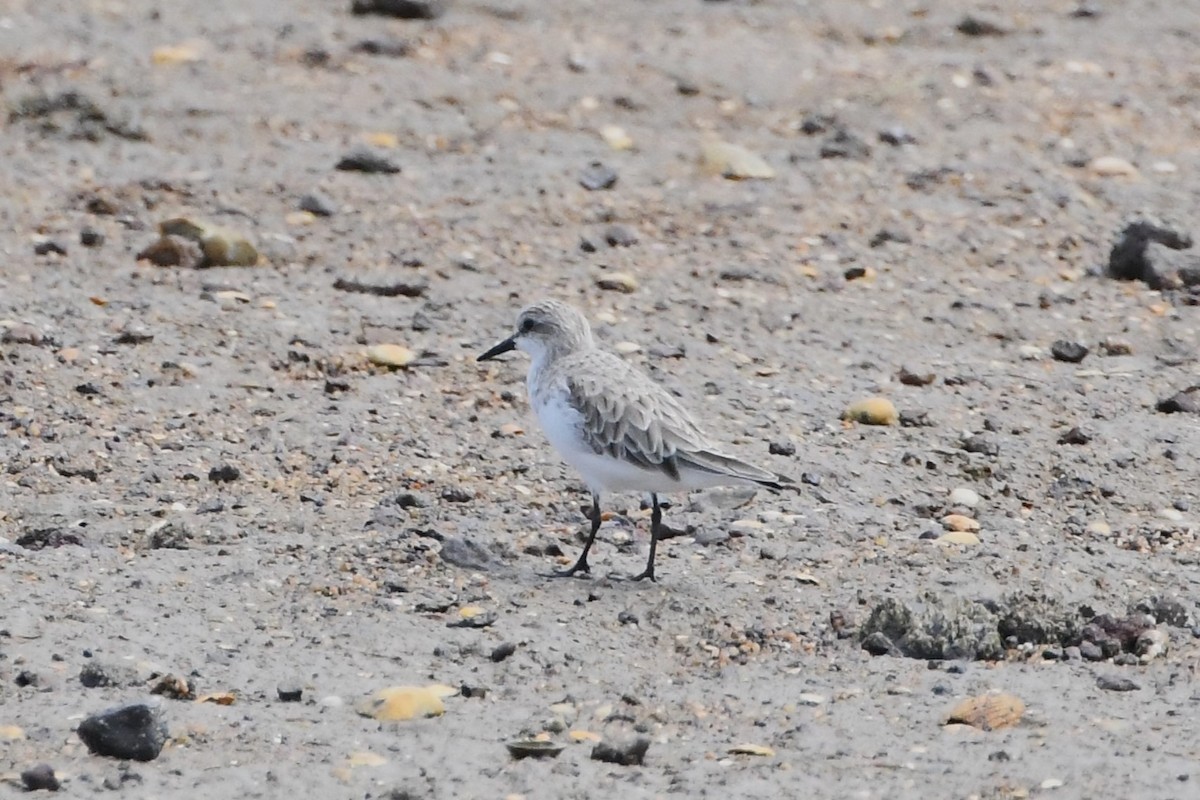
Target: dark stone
(620, 236)
(706, 537)
(90, 237)
(781, 448)
(1090, 651)
(878, 644)
(916, 419)
(587, 245)
(503, 651)
(1071, 352)
(597, 176)
(225, 473)
(289, 692)
(134, 732)
(485, 620)
(318, 205)
(26, 678)
(403, 9)
(462, 552)
(896, 136)
(365, 160)
(389, 48)
(627, 618)
(974, 26)
(41, 538)
(1133, 258)
(95, 674)
(982, 444)
(410, 500)
(1053, 654)
(844, 144)
(1075, 436)
(627, 754)
(88, 389)
(457, 494)
(1115, 684)
(1172, 612)
(1183, 402)
(40, 777)
(49, 246)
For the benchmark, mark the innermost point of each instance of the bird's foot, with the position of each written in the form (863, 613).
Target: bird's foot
(646, 574)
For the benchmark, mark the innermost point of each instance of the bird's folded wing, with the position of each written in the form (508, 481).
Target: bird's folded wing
(627, 416)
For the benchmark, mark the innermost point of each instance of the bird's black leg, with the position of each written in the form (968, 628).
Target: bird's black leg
(655, 524)
(581, 564)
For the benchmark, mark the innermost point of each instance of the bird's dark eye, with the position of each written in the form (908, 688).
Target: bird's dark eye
(526, 325)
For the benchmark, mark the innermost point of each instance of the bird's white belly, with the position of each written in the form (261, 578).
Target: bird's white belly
(563, 426)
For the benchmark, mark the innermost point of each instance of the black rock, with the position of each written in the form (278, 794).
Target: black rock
(1112, 684)
(41, 538)
(1071, 352)
(974, 26)
(38, 777)
(587, 245)
(225, 473)
(1133, 259)
(457, 494)
(627, 754)
(90, 237)
(503, 651)
(781, 449)
(365, 160)
(26, 678)
(318, 205)
(896, 136)
(844, 144)
(1075, 436)
(403, 9)
(289, 692)
(1184, 402)
(135, 732)
(878, 644)
(597, 176)
(389, 48)
(627, 618)
(95, 674)
(49, 246)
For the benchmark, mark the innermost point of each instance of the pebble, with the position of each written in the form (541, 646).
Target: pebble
(872, 411)
(1183, 402)
(627, 754)
(706, 537)
(734, 162)
(389, 48)
(1075, 436)
(390, 355)
(462, 552)
(289, 692)
(503, 651)
(781, 448)
(1090, 651)
(224, 473)
(318, 205)
(136, 732)
(95, 674)
(1112, 167)
(22, 333)
(622, 282)
(1116, 684)
(363, 159)
(173, 251)
(1070, 352)
(40, 777)
(965, 496)
(627, 348)
(811, 699)
(959, 537)
(402, 703)
(90, 237)
(616, 137)
(402, 9)
(982, 444)
(620, 236)
(844, 144)
(597, 176)
(47, 247)
(960, 522)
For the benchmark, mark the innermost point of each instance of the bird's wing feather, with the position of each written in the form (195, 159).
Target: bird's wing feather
(626, 415)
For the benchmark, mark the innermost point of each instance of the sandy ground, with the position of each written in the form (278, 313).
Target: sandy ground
(370, 507)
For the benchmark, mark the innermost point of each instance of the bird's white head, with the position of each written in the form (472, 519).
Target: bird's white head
(546, 330)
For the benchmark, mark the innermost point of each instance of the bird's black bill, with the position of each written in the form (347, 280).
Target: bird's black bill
(500, 349)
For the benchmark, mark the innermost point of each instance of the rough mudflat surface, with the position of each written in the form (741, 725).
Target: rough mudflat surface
(206, 481)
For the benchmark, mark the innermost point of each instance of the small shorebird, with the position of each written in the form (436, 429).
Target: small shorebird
(613, 424)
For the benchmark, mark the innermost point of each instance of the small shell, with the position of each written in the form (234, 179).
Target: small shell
(988, 712)
(533, 748)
